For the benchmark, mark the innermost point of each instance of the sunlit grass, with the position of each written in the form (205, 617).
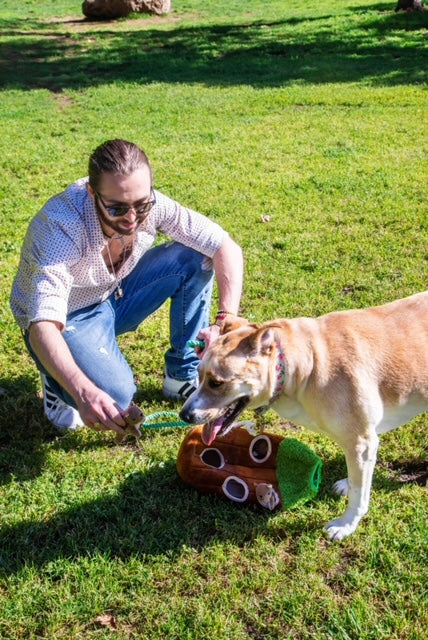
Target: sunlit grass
(300, 127)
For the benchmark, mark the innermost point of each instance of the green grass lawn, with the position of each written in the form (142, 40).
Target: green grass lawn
(300, 127)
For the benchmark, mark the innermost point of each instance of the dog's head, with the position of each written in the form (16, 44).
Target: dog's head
(233, 375)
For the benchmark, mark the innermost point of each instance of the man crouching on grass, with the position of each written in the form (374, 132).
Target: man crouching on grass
(88, 273)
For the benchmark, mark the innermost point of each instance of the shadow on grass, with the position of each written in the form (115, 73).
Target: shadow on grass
(154, 513)
(259, 54)
(23, 429)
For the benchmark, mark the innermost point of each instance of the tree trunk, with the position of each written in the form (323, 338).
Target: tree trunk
(111, 9)
(410, 5)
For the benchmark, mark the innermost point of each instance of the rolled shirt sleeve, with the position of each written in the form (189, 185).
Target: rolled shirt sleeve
(188, 226)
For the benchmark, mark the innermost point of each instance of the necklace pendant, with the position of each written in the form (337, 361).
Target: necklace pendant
(118, 293)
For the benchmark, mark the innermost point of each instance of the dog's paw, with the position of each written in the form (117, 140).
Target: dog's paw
(341, 487)
(339, 529)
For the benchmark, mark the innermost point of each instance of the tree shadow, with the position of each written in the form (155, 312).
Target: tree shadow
(261, 54)
(153, 514)
(23, 429)
(381, 7)
(25, 432)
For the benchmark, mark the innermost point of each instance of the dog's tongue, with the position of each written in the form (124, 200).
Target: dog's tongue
(210, 431)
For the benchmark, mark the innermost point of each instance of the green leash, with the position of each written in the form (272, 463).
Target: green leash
(196, 343)
(150, 421)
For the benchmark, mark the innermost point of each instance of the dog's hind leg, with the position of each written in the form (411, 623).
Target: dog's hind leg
(360, 461)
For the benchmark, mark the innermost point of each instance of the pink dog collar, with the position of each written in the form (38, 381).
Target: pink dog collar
(279, 382)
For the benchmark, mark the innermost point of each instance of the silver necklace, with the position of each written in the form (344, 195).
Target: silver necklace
(118, 291)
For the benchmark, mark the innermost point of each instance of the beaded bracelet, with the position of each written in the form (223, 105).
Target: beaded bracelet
(221, 317)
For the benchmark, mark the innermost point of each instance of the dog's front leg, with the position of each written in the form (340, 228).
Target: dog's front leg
(360, 462)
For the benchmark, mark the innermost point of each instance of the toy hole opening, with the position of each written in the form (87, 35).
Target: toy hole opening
(213, 458)
(235, 489)
(260, 449)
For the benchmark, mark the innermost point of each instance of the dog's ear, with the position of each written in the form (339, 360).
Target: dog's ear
(231, 323)
(263, 341)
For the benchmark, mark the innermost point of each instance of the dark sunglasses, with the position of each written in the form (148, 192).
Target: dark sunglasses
(120, 210)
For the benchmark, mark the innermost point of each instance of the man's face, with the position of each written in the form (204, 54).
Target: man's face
(130, 191)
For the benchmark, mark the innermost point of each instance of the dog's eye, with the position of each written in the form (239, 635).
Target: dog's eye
(214, 384)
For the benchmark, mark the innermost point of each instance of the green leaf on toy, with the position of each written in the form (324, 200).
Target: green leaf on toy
(299, 472)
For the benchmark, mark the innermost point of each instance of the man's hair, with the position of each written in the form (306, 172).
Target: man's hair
(119, 157)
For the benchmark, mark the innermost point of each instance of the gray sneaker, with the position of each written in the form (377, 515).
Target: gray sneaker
(62, 416)
(179, 389)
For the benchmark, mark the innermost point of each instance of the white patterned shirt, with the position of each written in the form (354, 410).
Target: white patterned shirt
(62, 268)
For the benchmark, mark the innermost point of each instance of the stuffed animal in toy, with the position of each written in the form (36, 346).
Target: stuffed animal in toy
(265, 469)
(133, 417)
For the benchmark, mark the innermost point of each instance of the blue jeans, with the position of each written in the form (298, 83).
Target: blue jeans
(169, 270)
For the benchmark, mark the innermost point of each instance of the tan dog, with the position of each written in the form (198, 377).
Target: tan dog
(350, 375)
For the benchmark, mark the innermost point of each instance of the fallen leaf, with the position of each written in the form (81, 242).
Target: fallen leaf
(108, 621)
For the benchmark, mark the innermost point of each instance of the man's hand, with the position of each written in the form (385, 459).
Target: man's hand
(208, 335)
(100, 412)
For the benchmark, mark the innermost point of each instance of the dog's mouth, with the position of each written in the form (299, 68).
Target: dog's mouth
(222, 425)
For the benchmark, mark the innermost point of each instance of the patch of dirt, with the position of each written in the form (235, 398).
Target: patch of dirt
(63, 101)
(80, 23)
(290, 426)
(407, 472)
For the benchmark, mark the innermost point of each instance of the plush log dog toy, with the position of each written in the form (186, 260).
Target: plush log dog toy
(264, 469)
